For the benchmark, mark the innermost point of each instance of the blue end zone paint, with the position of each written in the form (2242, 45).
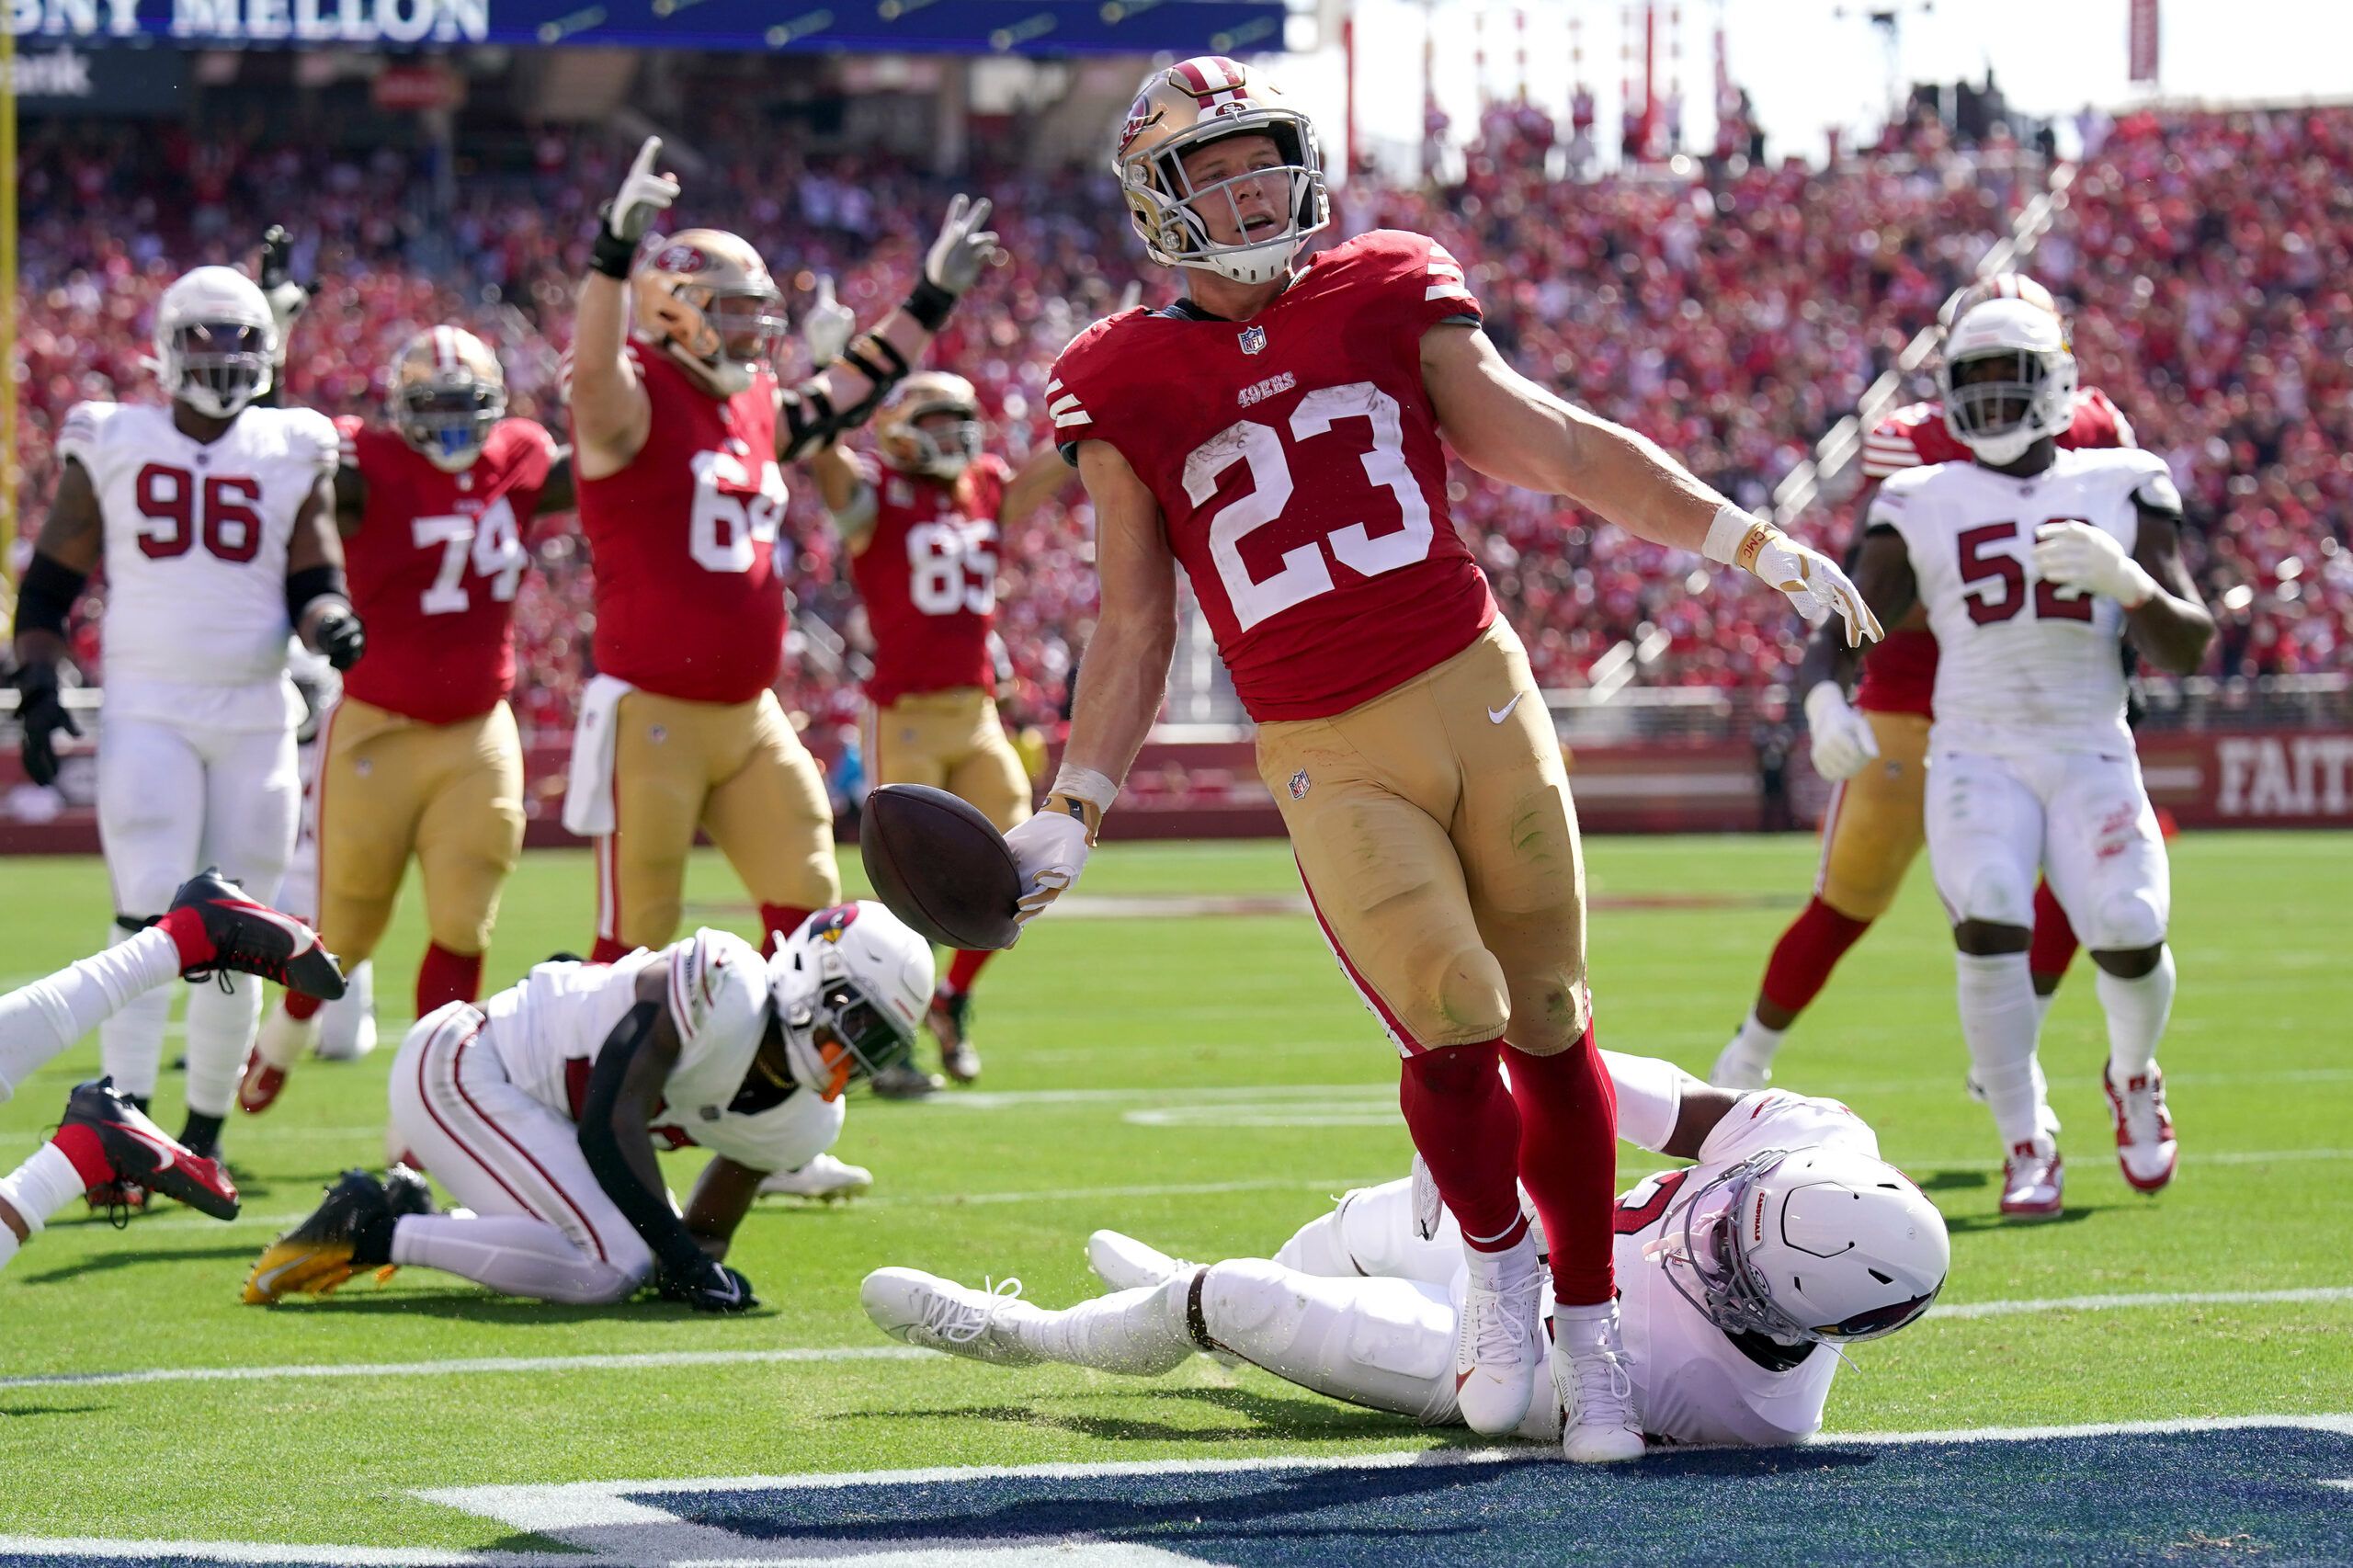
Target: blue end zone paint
(2139, 1498)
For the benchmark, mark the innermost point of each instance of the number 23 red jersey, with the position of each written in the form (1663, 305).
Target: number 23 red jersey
(1297, 464)
(435, 566)
(927, 578)
(689, 599)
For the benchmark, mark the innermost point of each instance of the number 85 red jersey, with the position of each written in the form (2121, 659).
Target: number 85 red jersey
(1297, 463)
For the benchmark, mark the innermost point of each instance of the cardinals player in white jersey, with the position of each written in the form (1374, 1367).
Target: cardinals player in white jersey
(215, 522)
(1729, 1328)
(538, 1111)
(2031, 562)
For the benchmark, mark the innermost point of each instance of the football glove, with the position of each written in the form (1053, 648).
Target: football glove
(1844, 743)
(1815, 584)
(718, 1289)
(827, 325)
(963, 248)
(288, 300)
(2078, 555)
(40, 714)
(642, 194)
(1049, 849)
(337, 635)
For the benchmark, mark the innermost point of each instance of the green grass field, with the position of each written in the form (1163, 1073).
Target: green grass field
(1123, 1054)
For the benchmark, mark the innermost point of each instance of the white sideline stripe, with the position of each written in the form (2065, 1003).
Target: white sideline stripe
(497, 1365)
(245, 1552)
(470, 1366)
(2158, 1299)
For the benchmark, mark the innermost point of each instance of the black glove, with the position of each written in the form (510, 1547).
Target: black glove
(339, 636)
(42, 713)
(718, 1289)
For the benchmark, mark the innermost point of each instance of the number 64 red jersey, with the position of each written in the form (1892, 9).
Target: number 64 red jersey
(435, 567)
(1297, 463)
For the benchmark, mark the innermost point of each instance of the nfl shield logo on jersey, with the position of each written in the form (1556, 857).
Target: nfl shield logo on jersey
(1299, 784)
(1254, 338)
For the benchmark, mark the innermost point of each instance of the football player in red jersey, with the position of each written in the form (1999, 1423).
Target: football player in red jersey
(678, 435)
(922, 522)
(423, 759)
(1875, 749)
(1278, 433)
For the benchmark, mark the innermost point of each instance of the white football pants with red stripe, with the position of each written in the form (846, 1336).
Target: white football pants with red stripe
(541, 1227)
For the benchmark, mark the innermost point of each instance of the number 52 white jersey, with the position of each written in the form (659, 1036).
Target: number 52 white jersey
(2024, 667)
(196, 536)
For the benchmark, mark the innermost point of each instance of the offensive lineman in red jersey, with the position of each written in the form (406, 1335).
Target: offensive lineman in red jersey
(423, 759)
(1875, 751)
(678, 436)
(923, 532)
(1278, 433)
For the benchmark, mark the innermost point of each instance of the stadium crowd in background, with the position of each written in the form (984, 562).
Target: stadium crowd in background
(1734, 321)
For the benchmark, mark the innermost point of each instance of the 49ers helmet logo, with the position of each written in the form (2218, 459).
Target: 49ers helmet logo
(827, 924)
(680, 259)
(1143, 115)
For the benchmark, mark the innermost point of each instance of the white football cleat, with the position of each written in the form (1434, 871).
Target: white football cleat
(2032, 1182)
(1599, 1422)
(277, 1045)
(1500, 1341)
(347, 1025)
(1735, 1069)
(2146, 1146)
(1126, 1264)
(826, 1178)
(924, 1309)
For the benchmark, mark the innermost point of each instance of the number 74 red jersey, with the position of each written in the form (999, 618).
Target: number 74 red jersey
(1297, 463)
(435, 567)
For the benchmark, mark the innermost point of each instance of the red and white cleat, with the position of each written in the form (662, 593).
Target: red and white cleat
(2146, 1146)
(253, 938)
(278, 1046)
(2032, 1182)
(145, 1157)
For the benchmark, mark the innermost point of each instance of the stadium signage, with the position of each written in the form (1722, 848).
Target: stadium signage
(965, 27)
(2286, 775)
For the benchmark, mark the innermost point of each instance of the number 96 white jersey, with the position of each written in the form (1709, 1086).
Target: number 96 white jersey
(2024, 667)
(196, 536)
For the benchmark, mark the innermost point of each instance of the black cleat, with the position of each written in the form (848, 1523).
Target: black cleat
(253, 938)
(904, 1080)
(145, 1158)
(326, 1249)
(951, 1022)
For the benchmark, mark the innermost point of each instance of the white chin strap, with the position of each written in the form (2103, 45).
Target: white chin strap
(727, 378)
(2003, 449)
(1251, 264)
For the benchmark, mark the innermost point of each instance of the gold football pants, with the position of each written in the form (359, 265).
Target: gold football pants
(737, 771)
(393, 786)
(952, 741)
(1874, 830)
(1435, 833)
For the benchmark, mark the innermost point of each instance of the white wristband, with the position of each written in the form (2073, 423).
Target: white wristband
(1730, 529)
(1086, 784)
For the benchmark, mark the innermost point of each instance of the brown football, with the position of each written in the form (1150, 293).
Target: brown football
(940, 866)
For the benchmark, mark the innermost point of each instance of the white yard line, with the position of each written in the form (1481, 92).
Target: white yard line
(479, 1366)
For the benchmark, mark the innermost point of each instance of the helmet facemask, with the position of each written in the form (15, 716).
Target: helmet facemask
(942, 450)
(1705, 1258)
(841, 1034)
(1268, 212)
(734, 331)
(217, 366)
(1999, 402)
(448, 417)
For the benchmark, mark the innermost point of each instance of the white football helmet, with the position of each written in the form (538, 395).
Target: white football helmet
(1185, 107)
(850, 986)
(216, 342)
(1997, 285)
(2032, 395)
(1808, 1245)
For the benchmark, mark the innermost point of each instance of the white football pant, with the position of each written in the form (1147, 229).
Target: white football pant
(543, 1227)
(171, 802)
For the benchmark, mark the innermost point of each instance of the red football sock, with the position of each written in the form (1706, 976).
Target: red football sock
(1807, 952)
(1467, 1128)
(186, 928)
(2055, 940)
(299, 1006)
(445, 977)
(779, 917)
(607, 950)
(965, 968)
(81, 1145)
(1568, 1162)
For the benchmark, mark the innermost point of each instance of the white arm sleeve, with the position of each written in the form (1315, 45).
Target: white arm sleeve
(1649, 1097)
